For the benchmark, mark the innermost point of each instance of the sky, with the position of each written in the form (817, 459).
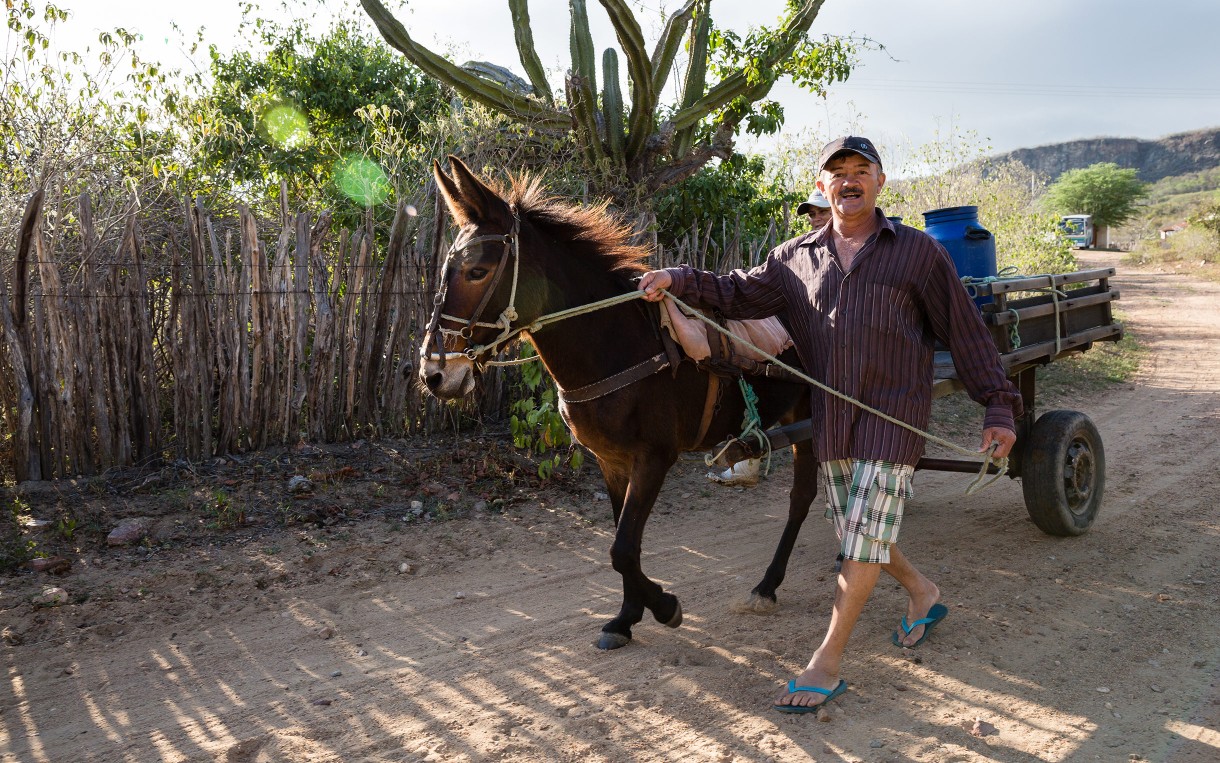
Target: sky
(1015, 74)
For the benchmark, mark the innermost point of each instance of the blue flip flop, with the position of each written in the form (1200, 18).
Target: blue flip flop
(793, 689)
(935, 615)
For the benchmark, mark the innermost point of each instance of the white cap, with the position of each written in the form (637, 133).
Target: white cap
(816, 199)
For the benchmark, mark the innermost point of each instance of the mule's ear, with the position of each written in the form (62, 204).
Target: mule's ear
(451, 194)
(482, 202)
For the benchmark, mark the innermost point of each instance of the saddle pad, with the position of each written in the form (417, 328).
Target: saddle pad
(691, 333)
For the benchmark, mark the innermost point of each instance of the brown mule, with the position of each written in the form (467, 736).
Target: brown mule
(521, 255)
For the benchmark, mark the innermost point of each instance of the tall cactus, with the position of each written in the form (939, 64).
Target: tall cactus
(582, 84)
(640, 150)
(612, 105)
(696, 74)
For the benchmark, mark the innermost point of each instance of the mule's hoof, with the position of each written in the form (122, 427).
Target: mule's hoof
(610, 641)
(755, 604)
(676, 620)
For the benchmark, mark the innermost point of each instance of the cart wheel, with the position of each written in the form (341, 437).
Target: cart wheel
(1063, 473)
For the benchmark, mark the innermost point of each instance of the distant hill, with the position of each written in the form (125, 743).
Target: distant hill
(1154, 159)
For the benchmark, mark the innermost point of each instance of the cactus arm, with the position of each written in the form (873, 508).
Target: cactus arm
(582, 84)
(525, 49)
(581, 43)
(481, 90)
(668, 45)
(612, 105)
(584, 119)
(738, 84)
(696, 77)
(639, 69)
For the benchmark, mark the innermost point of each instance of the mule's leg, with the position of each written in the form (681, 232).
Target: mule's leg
(804, 488)
(616, 487)
(639, 593)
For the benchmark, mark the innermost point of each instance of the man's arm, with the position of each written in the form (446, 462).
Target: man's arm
(741, 295)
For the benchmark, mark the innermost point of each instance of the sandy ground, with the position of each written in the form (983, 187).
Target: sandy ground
(472, 638)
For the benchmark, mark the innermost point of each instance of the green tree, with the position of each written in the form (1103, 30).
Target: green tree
(736, 197)
(303, 110)
(1105, 191)
(635, 150)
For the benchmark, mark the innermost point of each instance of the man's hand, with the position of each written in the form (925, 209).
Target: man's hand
(1003, 438)
(652, 282)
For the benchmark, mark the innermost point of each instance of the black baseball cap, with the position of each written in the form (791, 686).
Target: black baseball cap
(862, 146)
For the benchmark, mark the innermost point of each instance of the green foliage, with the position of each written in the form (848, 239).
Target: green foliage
(1194, 250)
(65, 527)
(1105, 191)
(223, 513)
(304, 109)
(1192, 182)
(738, 191)
(759, 54)
(535, 422)
(70, 123)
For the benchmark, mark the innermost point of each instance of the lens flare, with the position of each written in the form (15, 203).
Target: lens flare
(362, 180)
(285, 126)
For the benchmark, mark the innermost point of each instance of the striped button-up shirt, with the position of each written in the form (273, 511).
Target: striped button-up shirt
(867, 333)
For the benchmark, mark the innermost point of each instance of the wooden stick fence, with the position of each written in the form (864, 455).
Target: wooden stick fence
(228, 343)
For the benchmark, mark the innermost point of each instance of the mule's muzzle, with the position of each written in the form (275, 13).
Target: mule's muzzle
(453, 379)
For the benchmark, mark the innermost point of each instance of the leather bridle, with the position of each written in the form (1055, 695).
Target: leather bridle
(511, 242)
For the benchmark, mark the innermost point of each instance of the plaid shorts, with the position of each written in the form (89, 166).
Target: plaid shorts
(864, 501)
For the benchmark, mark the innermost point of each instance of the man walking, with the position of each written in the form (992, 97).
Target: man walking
(864, 299)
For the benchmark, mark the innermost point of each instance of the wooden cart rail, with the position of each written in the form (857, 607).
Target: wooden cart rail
(1046, 328)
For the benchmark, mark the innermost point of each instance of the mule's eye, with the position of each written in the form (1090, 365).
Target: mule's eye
(477, 274)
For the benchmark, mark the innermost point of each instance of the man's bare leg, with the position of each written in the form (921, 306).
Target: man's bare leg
(923, 593)
(856, 583)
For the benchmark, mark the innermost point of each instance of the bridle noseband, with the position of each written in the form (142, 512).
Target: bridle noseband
(511, 241)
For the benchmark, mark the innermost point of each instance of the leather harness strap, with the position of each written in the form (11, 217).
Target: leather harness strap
(710, 406)
(624, 378)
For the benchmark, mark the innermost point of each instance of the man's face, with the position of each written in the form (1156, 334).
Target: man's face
(819, 217)
(851, 183)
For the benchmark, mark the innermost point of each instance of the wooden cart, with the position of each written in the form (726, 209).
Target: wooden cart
(1059, 455)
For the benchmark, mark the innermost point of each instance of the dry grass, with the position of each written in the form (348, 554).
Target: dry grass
(1191, 252)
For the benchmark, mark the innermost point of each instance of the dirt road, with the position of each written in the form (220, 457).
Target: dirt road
(472, 639)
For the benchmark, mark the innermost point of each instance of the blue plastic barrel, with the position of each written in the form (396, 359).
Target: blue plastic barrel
(971, 246)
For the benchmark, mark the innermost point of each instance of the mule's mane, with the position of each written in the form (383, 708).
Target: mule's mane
(594, 226)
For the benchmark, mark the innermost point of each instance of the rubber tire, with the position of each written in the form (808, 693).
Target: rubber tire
(1063, 473)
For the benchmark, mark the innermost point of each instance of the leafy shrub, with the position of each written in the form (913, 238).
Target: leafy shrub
(1194, 246)
(535, 422)
(738, 197)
